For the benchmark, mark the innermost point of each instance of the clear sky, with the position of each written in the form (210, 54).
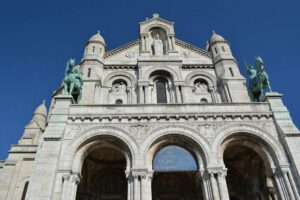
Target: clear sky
(38, 37)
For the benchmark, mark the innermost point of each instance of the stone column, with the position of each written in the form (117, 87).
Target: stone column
(141, 94)
(184, 93)
(178, 94)
(129, 185)
(146, 183)
(223, 190)
(288, 184)
(74, 180)
(214, 186)
(276, 175)
(293, 185)
(136, 187)
(65, 187)
(204, 177)
(147, 94)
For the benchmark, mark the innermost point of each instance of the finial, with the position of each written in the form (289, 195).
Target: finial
(214, 32)
(207, 43)
(155, 15)
(147, 18)
(44, 101)
(98, 32)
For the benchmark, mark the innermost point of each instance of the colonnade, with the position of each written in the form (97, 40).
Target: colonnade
(214, 186)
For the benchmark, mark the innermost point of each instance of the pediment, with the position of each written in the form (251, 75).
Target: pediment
(190, 52)
(126, 53)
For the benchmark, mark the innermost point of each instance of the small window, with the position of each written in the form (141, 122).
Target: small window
(223, 48)
(24, 191)
(119, 102)
(89, 72)
(216, 51)
(161, 92)
(231, 71)
(203, 100)
(93, 48)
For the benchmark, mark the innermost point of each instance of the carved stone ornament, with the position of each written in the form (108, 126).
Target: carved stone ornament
(186, 54)
(130, 54)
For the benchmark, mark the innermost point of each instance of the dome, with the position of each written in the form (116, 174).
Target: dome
(41, 109)
(216, 38)
(97, 38)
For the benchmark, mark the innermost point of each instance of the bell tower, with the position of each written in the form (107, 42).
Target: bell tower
(227, 70)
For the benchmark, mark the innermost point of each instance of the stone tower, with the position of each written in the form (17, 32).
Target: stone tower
(158, 119)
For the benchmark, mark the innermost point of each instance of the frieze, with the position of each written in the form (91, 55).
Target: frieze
(167, 117)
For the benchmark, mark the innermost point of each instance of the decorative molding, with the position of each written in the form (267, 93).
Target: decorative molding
(193, 48)
(197, 66)
(122, 48)
(52, 138)
(122, 67)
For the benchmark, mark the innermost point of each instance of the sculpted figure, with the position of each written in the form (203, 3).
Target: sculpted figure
(259, 80)
(157, 46)
(73, 81)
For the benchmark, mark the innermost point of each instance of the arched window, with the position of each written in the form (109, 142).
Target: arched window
(174, 158)
(119, 102)
(25, 190)
(161, 92)
(203, 100)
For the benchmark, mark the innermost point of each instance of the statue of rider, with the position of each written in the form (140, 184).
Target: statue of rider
(73, 81)
(259, 80)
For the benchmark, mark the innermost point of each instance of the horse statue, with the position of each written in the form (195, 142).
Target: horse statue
(73, 81)
(259, 80)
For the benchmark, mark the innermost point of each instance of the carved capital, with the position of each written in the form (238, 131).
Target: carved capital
(75, 178)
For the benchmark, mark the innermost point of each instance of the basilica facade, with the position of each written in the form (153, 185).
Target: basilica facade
(156, 118)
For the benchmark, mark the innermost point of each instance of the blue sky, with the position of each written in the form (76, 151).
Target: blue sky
(38, 37)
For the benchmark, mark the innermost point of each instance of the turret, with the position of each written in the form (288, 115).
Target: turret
(36, 126)
(92, 68)
(227, 70)
(95, 47)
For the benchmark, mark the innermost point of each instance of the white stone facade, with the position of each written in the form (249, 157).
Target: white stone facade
(146, 95)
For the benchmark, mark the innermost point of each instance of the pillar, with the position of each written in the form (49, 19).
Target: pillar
(184, 90)
(147, 94)
(276, 175)
(65, 187)
(129, 185)
(214, 186)
(203, 176)
(141, 94)
(136, 187)
(146, 186)
(288, 184)
(223, 190)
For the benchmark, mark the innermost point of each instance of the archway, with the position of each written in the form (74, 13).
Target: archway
(248, 176)
(103, 172)
(175, 175)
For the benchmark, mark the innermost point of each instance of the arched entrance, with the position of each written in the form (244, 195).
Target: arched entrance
(103, 173)
(248, 176)
(175, 175)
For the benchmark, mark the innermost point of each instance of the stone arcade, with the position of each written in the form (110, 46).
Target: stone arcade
(158, 119)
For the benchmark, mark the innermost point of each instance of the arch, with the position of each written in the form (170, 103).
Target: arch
(191, 77)
(158, 25)
(129, 78)
(152, 145)
(272, 149)
(171, 71)
(81, 145)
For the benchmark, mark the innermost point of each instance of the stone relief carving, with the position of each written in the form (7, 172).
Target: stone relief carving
(138, 129)
(73, 131)
(119, 87)
(200, 88)
(207, 129)
(186, 54)
(130, 54)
